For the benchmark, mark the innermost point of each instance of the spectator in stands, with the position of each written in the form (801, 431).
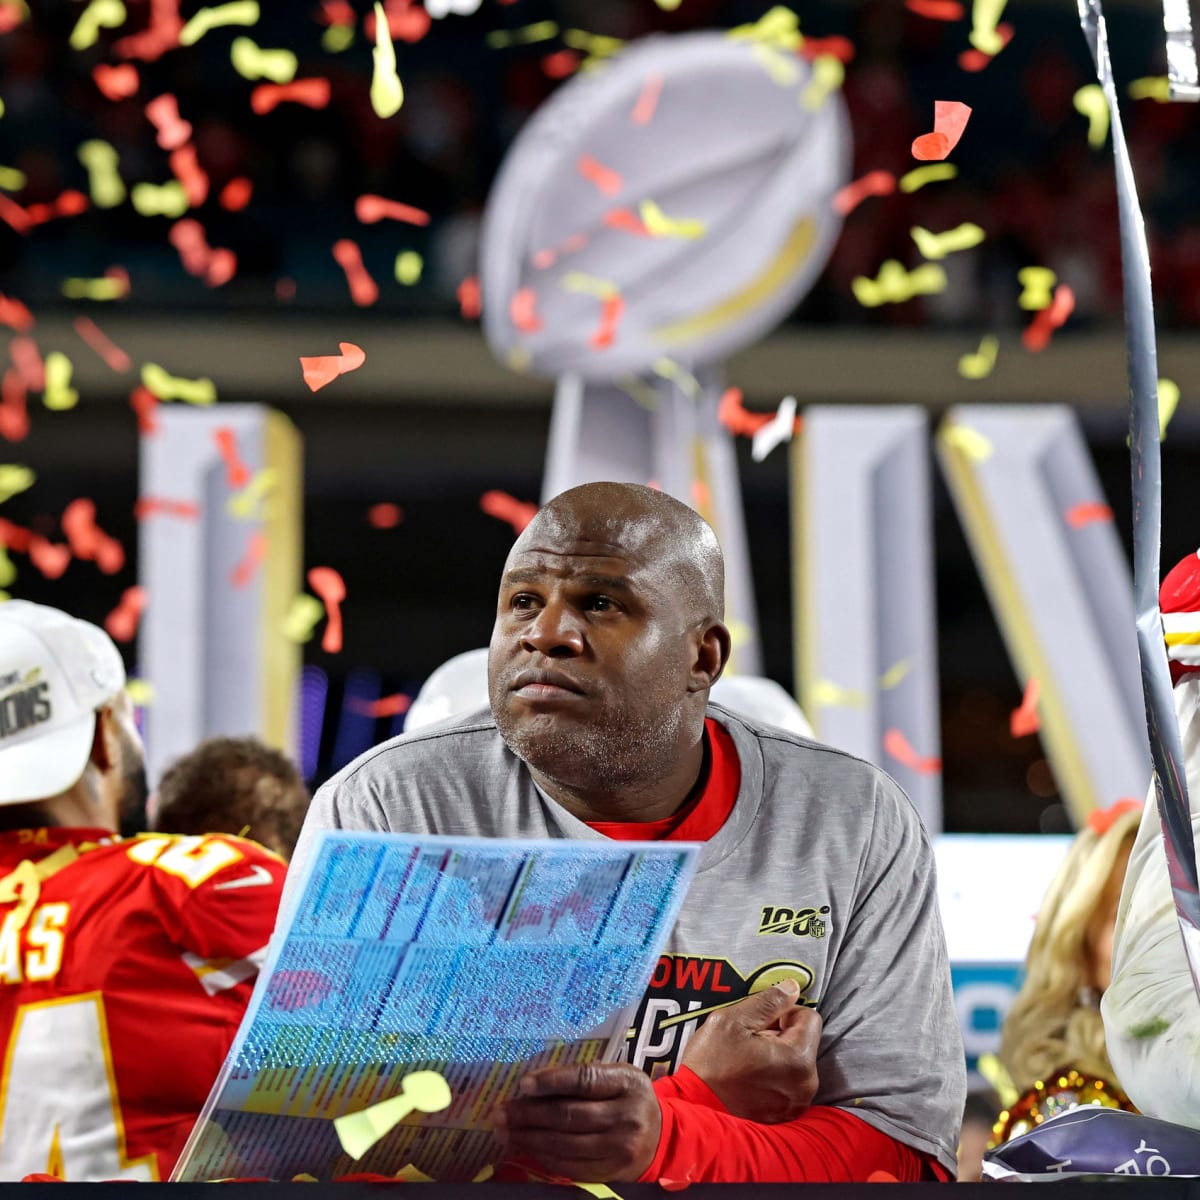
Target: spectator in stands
(125, 965)
(1052, 1045)
(233, 785)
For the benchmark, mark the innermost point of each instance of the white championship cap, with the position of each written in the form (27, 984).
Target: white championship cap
(55, 672)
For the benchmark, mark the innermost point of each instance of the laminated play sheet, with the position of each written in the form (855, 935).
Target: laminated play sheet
(405, 958)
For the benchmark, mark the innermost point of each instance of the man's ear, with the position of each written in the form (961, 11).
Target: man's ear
(712, 653)
(101, 756)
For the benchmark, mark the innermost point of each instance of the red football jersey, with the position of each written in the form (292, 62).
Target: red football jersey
(125, 967)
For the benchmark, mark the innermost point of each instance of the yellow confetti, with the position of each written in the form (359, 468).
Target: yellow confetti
(159, 200)
(409, 265)
(591, 43)
(337, 38)
(779, 27)
(8, 572)
(918, 177)
(1036, 283)
(938, 245)
(104, 288)
(784, 69)
(894, 674)
(658, 224)
(985, 16)
(14, 479)
(970, 442)
(411, 1173)
(59, 394)
(1, 108)
(993, 1070)
(170, 387)
(243, 505)
(1168, 402)
(484, 1174)
(1151, 87)
(589, 285)
(421, 1091)
(100, 14)
(519, 359)
(387, 92)
(539, 31)
(895, 285)
(239, 12)
(252, 62)
(104, 178)
(668, 5)
(1090, 102)
(668, 368)
(639, 391)
(140, 692)
(827, 694)
(12, 180)
(302, 618)
(600, 1190)
(828, 75)
(979, 365)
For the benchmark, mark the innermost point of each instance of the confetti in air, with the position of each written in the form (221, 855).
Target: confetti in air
(331, 588)
(58, 394)
(873, 183)
(950, 118)
(238, 12)
(1089, 512)
(324, 369)
(938, 245)
(364, 291)
(1091, 103)
(312, 93)
(1036, 283)
(518, 513)
(1024, 719)
(122, 622)
(899, 747)
(369, 209)
(387, 93)
(1036, 336)
(776, 431)
(252, 62)
(170, 387)
(981, 363)
(895, 285)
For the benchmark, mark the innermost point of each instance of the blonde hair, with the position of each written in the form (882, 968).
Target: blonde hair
(1049, 1025)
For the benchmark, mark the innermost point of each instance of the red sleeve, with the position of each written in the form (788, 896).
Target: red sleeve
(701, 1143)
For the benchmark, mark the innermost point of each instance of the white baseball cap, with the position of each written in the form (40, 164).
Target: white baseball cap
(55, 673)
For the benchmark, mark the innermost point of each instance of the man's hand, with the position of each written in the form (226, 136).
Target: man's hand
(760, 1055)
(594, 1123)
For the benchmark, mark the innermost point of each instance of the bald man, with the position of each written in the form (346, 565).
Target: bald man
(815, 892)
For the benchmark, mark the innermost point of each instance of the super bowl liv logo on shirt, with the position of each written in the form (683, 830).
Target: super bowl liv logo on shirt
(23, 701)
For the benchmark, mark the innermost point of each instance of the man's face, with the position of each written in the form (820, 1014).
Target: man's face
(589, 662)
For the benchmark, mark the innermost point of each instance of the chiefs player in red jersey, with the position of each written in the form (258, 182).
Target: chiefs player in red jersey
(125, 963)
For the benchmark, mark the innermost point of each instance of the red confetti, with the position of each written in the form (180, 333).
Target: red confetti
(406, 21)
(828, 47)
(113, 355)
(88, 542)
(873, 183)
(701, 495)
(161, 35)
(285, 288)
(49, 557)
(363, 289)
(898, 746)
(518, 513)
(122, 277)
(325, 369)
(674, 1185)
(27, 358)
(561, 64)
(627, 220)
(647, 101)
(215, 267)
(157, 506)
(737, 419)
(15, 315)
(1024, 720)
(470, 298)
(975, 60)
(950, 118)
(69, 204)
(163, 113)
(235, 195)
(11, 15)
(1087, 513)
(521, 311)
(122, 622)
(385, 706)
(185, 166)
(116, 83)
(936, 10)
(331, 588)
(14, 215)
(1036, 336)
(14, 413)
(606, 179)
(144, 402)
(1101, 820)
(256, 550)
(369, 209)
(337, 12)
(14, 537)
(614, 308)
(237, 474)
(313, 93)
(385, 516)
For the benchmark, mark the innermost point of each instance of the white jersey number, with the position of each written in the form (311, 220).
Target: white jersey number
(59, 1110)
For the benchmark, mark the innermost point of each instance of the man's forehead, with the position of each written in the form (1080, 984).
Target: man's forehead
(577, 559)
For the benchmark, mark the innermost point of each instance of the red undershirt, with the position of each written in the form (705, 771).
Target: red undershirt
(701, 1142)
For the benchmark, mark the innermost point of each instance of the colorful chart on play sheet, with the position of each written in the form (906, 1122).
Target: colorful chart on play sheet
(470, 958)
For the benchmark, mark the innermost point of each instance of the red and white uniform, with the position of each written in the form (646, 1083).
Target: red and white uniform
(125, 967)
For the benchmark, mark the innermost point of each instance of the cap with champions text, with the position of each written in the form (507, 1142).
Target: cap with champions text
(55, 673)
